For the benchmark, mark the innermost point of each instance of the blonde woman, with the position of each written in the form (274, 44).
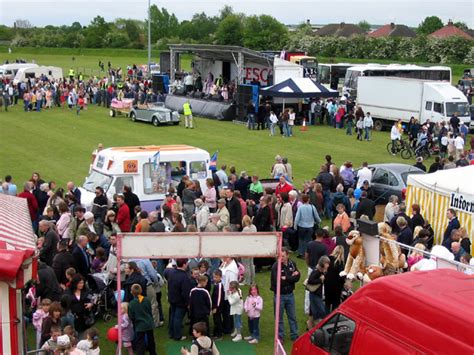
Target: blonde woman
(249, 275)
(415, 255)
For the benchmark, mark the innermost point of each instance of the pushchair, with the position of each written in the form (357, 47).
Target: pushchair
(102, 296)
(422, 148)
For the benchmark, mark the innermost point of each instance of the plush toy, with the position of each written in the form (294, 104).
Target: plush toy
(391, 257)
(373, 272)
(355, 263)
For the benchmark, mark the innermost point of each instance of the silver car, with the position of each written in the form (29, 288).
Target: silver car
(155, 113)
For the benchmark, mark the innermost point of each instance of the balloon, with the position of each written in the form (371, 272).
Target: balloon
(357, 193)
(112, 334)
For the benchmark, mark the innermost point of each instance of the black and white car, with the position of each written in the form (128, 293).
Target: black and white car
(155, 113)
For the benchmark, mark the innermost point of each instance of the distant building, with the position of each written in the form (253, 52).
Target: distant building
(449, 31)
(340, 30)
(392, 30)
(314, 27)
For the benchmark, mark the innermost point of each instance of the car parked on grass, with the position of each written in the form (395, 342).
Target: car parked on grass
(390, 179)
(155, 113)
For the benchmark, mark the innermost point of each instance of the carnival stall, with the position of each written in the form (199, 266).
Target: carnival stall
(439, 191)
(17, 266)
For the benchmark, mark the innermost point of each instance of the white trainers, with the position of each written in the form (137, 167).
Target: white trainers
(253, 341)
(248, 338)
(233, 334)
(237, 338)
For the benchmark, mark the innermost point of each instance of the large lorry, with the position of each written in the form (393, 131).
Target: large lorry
(389, 99)
(419, 312)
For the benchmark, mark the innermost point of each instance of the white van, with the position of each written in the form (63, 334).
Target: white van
(51, 73)
(8, 71)
(389, 99)
(148, 170)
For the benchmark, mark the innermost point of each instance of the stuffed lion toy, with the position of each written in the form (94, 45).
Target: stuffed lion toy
(355, 264)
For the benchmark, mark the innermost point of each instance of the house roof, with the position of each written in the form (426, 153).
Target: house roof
(392, 30)
(340, 30)
(448, 31)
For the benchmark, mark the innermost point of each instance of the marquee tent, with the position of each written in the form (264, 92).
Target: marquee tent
(17, 266)
(298, 88)
(444, 189)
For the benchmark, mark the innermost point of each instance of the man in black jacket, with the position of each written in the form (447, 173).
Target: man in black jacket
(100, 205)
(50, 244)
(81, 256)
(200, 303)
(131, 200)
(289, 276)
(366, 207)
(406, 235)
(62, 261)
(233, 206)
(218, 297)
(179, 286)
(402, 207)
(48, 286)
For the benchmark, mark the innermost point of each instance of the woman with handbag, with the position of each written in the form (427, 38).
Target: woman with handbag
(315, 285)
(80, 304)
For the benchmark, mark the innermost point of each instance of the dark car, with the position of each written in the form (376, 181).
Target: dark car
(390, 179)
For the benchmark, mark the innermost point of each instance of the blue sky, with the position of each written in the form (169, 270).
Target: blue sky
(409, 12)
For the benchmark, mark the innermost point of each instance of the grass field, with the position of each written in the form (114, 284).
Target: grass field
(58, 144)
(86, 59)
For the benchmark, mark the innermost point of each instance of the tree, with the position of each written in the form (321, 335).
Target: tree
(264, 33)
(461, 26)
(163, 24)
(96, 33)
(200, 28)
(429, 25)
(225, 11)
(231, 30)
(364, 25)
(22, 24)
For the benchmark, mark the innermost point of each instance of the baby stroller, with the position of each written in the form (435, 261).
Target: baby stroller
(422, 148)
(102, 296)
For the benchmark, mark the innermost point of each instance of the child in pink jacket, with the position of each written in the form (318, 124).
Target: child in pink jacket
(41, 313)
(253, 307)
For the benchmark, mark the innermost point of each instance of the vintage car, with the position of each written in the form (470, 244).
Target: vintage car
(155, 113)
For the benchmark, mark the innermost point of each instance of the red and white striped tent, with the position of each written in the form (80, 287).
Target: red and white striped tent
(17, 266)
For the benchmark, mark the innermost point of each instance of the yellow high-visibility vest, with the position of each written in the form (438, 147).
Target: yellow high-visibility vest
(187, 109)
(71, 72)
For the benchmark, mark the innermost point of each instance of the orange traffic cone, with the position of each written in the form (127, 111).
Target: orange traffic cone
(304, 127)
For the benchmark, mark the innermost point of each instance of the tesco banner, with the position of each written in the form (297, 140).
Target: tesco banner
(257, 72)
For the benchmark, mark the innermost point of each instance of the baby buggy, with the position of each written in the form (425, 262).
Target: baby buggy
(102, 296)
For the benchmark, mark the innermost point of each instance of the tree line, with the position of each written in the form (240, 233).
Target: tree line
(230, 28)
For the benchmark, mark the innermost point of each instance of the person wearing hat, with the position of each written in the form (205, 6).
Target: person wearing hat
(223, 213)
(419, 164)
(88, 225)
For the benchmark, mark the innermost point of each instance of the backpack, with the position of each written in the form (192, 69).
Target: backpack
(202, 350)
(241, 271)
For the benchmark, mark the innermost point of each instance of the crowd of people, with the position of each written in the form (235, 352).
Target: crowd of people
(77, 251)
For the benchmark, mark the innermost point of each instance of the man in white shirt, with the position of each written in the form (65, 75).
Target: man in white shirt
(459, 144)
(395, 136)
(364, 174)
(222, 175)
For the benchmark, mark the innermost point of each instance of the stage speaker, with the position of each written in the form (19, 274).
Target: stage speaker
(157, 83)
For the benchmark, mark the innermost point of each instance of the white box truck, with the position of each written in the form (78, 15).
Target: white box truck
(389, 99)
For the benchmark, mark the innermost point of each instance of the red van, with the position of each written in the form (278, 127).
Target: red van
(427, 312)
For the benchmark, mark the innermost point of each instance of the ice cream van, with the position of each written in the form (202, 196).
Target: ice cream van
(148, 170)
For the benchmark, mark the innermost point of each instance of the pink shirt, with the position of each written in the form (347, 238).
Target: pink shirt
(38, 317)
(253, 306)
(210, 197)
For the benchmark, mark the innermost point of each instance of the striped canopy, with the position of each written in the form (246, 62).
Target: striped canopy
(17, 240)
(298, 88)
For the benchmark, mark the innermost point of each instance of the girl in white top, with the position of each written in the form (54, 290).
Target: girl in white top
(236, 308)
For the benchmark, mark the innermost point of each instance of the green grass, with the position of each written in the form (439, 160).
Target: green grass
(58, 144)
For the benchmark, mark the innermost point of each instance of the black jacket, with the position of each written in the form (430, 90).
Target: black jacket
(263, 219)
(315, 279)
(50, 246)
(48, 286)
(218, 296)
(406, 237)
(81, 261)
(394, 225)
(134, 278)
(327, 181)
(235, 211)
(243, 186)
(199, 303)
(179, 285)
(78, 308)
(131, 200)
(367, 207)
(99, 207)
(287, 285)
(157, 227)
(62, 261)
